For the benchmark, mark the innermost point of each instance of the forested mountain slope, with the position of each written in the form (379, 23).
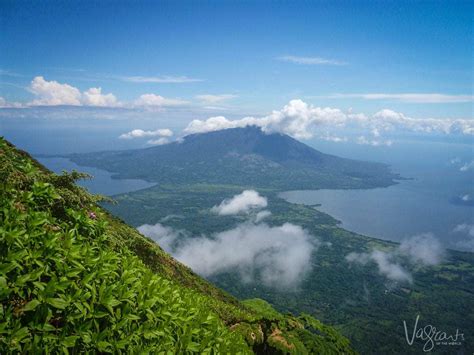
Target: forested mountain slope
(75, 279)
(240, 156)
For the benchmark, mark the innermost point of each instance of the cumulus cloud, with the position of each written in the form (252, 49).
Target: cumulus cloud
(300, 120)
(388, 120)
(52, 93)
(213, 99)
(241, 203)
(152, 100)
(423, 248)
(94, 97)
(140, 133)
(276, 256)
(408, 97)
(296, 119)
(385, 264)
(310, 60)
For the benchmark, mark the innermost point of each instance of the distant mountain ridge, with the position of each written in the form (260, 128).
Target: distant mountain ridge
(240, 156)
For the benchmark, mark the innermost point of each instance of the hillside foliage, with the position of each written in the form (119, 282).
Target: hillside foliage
(74, 279)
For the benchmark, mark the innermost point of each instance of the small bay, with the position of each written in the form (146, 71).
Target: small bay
(102, 182)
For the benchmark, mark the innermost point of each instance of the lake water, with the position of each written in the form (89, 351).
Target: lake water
(439, 199)
(102, 182)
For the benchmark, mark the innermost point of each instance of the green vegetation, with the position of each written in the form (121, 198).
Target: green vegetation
(243, 157)
(365, 306)
(75, 279)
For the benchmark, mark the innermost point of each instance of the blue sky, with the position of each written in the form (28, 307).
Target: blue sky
(233, 58)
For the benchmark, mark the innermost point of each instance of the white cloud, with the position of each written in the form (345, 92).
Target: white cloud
(159, 141)
(140, 133)
(391, 270)
(166, 237)
(467, 166)
(94, 97)
(214, 124)
(160, 79)
(468, 231)
(310, 60)
(388, 120)
(466, 198)
(7, 104)
(409, 97)
(424, 249)
(213, 99)
(385, 264)
(276, 256)
(152, 100)
(373, 142)
(465, 228)
(260, 216)
(301, 120)
(333, 138)
(296, 119)
(52, 93)
(241, 203)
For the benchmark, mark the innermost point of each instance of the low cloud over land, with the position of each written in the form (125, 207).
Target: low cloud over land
(424, 249)
(385, 264)
(241, 203)
(467, 230)
(276, 256)
(419, 250)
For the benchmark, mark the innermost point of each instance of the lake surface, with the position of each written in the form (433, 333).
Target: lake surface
(102, 182)
(437, 200)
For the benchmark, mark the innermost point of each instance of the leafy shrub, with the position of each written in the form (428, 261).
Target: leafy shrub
(75, 279)
(63, 288)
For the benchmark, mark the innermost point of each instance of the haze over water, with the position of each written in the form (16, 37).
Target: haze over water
(431, 202)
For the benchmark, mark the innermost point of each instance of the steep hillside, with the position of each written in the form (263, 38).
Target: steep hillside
(75, 279)
(240, 156)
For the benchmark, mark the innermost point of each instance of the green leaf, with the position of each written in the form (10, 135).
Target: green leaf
(31, 305)
(193, 347)
(57, 302)
(21, 333)
(70, 341)
(103, 345)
